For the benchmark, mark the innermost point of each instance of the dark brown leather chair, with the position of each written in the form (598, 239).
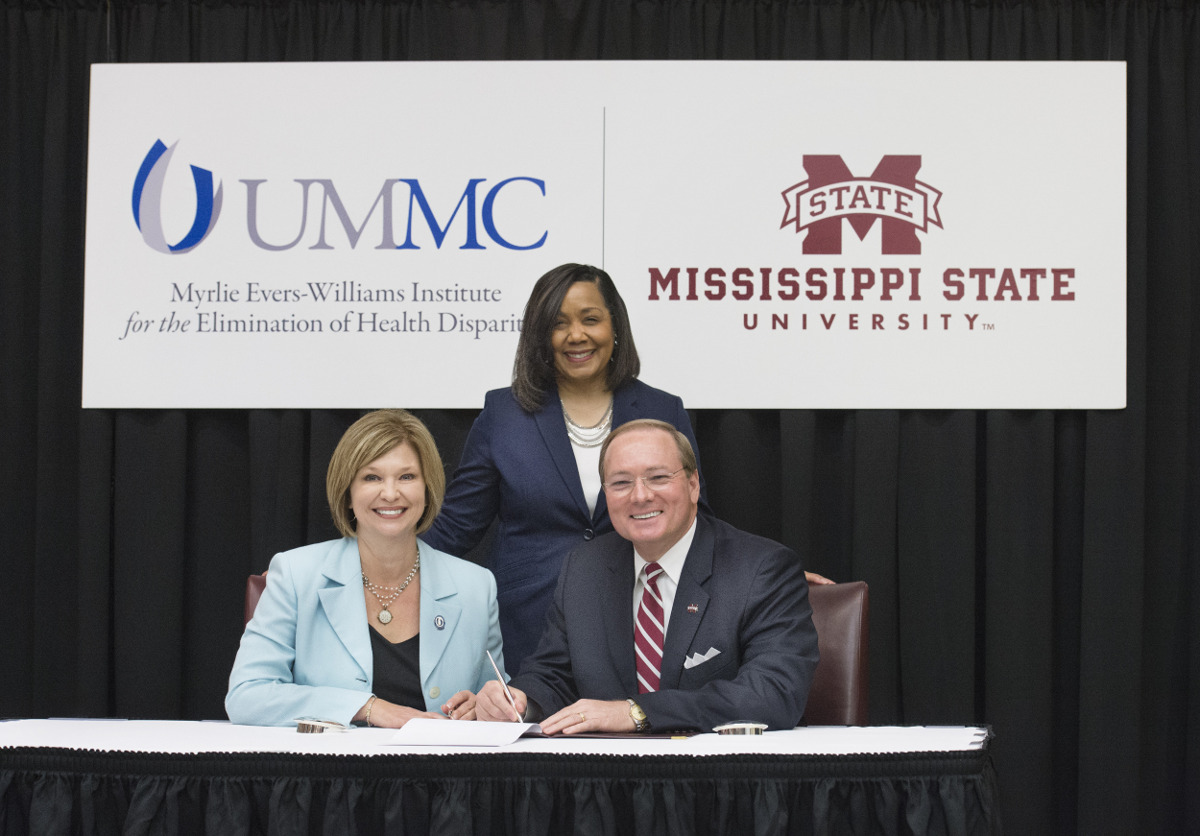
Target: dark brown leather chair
(839, 690)
(254, 590)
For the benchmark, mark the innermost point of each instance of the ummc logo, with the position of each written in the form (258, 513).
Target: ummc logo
(892, 195)
(313, 214)
(148, 195)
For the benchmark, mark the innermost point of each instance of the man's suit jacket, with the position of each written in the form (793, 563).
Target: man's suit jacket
(307, 652)
(518, 467)
(743, 596)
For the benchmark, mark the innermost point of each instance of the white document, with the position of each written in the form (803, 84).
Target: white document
(423, 732)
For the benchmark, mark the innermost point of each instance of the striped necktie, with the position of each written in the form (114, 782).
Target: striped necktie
(648, 632)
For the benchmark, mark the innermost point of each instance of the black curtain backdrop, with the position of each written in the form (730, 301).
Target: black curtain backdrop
(1033, 570)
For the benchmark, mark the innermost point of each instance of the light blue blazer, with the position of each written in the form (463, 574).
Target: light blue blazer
(307, 653)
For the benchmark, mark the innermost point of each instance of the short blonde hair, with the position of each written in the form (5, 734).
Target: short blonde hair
(687, 456)
(370, 437)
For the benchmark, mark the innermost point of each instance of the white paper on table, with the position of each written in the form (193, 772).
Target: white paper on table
(423, 732)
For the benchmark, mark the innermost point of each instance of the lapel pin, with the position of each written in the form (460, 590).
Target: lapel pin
(692, 608)
(439, 622)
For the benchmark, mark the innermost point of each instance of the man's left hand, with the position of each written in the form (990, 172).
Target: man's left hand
(590, 716)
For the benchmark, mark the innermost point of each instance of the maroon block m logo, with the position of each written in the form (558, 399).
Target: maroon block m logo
(892, 195)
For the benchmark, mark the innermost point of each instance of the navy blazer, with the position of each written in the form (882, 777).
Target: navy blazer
(307, 651)
(740, 645)
(518, 468)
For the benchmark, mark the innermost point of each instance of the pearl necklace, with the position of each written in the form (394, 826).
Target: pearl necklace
(385, 617)
(588, 436)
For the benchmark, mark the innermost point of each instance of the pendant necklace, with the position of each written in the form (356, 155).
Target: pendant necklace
(385, 600)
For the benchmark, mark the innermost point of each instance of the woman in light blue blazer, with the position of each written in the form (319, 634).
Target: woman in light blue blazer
(375, 628)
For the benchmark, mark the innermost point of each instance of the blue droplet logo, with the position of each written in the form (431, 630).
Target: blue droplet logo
(147, 202)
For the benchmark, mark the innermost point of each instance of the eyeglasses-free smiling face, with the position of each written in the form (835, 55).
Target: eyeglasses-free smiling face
(651, 500)
(582, 339)
(387, 495)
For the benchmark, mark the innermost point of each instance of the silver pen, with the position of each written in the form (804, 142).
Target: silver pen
(503, 685)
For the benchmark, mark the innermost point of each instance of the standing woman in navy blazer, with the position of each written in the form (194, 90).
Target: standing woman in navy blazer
(531, 459)
(377, 627)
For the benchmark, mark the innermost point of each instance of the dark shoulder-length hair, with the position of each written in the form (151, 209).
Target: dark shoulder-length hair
(533, 369)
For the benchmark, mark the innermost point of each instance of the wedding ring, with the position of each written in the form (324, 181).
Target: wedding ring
(582, 717)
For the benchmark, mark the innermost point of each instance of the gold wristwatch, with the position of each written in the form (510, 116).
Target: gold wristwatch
(640, 723)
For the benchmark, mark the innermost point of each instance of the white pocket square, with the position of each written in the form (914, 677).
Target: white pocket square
(699, 658)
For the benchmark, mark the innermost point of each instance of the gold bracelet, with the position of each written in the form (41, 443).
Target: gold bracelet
(370, 704)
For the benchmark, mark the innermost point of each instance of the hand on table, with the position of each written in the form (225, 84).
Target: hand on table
(388, 715)
(590, 716)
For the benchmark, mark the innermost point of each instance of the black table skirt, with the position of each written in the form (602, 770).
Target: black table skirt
(60, 791)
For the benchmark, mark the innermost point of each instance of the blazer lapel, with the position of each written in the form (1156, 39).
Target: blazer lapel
(554, 434)
(624, 405)
(624, 409)
(344, 605)
(440, 613)
(615, 599)
(681, 630)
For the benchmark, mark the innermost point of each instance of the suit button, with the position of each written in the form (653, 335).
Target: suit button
(588, 534)
(435, 692)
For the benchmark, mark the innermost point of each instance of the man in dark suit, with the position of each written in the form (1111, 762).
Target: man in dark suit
(674, 621)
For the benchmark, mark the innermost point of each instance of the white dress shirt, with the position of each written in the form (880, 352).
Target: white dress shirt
(672, 566)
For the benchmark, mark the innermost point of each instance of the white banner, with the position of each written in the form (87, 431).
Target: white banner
(785, 234)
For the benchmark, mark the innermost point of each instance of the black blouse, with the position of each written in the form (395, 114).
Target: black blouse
(398, 670)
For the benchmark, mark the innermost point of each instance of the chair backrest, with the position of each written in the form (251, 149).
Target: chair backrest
(254, 590)
(839, 690)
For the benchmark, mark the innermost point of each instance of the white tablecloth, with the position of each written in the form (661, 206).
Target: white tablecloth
(187, 737)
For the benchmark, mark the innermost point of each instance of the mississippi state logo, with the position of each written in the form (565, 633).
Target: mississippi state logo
(148, 196)
(892, 195)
